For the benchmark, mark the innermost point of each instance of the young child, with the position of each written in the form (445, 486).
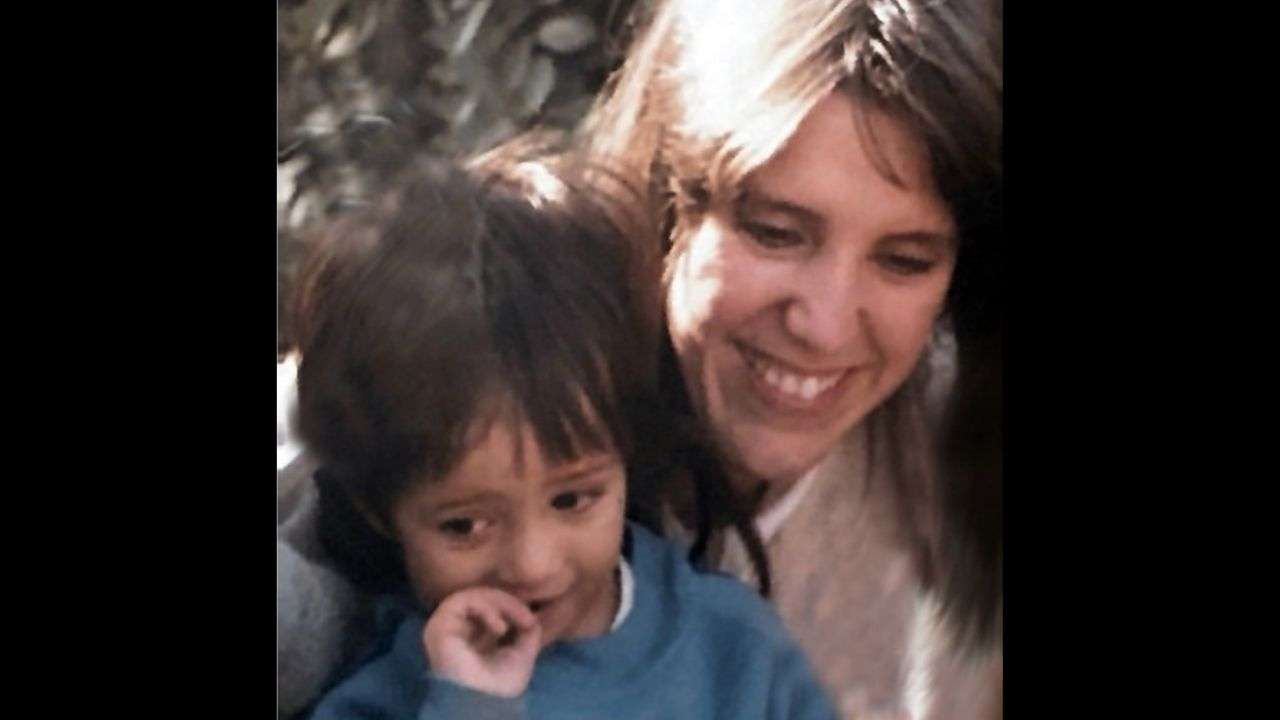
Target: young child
(475, 361)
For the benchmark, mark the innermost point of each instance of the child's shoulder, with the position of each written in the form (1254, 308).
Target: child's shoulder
(712, 597)
(730, 638)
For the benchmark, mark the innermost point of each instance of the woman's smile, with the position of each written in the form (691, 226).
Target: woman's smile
(788, 388)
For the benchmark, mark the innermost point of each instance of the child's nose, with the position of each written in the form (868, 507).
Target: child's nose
(532, 561)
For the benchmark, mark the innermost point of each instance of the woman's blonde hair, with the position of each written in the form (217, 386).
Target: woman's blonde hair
(712, 89)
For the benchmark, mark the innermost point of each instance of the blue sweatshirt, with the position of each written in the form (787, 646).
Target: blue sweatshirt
(695, 645)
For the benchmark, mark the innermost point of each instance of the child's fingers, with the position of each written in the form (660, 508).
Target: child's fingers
(497, 612)
(483, 638)
(505, 604)
(514, 610)
(461, 616)
(528, 641)
(490, 617)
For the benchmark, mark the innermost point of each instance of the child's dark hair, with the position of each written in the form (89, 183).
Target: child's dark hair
(506, 292)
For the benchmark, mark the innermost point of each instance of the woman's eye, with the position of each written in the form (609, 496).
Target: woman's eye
(772, 237)
(906, 264)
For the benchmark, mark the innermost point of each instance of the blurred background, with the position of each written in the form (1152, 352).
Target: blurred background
(363, 83)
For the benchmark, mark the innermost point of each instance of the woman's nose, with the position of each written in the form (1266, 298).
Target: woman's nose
(826, 309)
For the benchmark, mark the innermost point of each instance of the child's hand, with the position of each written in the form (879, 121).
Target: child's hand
(485, 639)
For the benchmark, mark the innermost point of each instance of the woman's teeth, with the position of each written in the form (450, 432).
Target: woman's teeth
(801, 387)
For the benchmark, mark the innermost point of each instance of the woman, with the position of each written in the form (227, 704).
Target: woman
(827, 174)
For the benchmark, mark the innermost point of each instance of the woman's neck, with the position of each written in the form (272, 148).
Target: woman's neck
(756, 494)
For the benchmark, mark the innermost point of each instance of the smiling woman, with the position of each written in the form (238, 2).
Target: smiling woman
(827, 178)
(798, 307)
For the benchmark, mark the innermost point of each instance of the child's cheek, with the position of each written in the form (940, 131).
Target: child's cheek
(435, 573)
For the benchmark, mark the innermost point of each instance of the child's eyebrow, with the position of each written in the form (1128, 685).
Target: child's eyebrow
(480, 498)
(577, 472)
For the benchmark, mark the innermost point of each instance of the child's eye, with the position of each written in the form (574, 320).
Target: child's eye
(573, 501)
(461, 527)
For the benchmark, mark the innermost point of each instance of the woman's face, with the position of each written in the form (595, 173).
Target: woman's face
(800, 307)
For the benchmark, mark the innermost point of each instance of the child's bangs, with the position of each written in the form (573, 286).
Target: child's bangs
(564, 417)
(570, 418)
(561, 389)
(560, 329)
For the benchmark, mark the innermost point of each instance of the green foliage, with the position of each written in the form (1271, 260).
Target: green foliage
(362, 85)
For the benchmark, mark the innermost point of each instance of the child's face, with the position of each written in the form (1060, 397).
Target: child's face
(549, 535)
